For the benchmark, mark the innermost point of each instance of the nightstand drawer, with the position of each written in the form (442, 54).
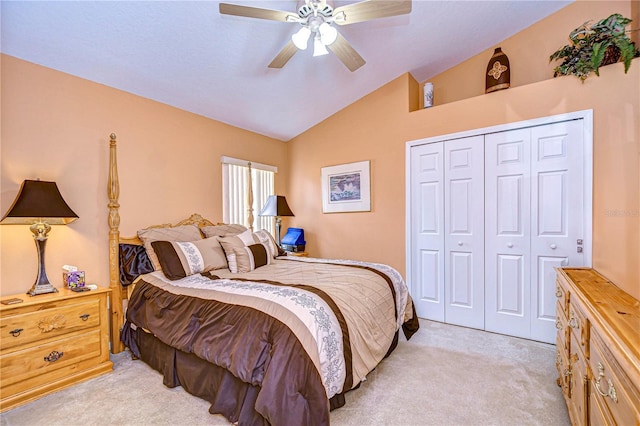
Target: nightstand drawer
(52, 320)
(47, 362)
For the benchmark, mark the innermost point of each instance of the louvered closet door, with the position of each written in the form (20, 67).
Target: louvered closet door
(508, 232)
(427, 236)
(464, 231)
(557, 216)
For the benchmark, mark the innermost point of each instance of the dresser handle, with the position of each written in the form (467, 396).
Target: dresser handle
(611, 393)
(558, 292)
(16, 332)
(53, 356)
(84, 317)
(573, 322)
(558, 324)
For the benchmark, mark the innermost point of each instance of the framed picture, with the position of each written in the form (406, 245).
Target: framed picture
(346, 188)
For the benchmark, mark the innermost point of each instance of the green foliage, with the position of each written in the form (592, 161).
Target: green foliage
(594, 46)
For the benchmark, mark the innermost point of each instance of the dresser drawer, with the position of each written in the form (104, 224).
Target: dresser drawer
(579, 325)
(562, 327)
(578, 384)
(47, 362)
(616, 396)
(562, 295)
(563, 367)
(50, 320)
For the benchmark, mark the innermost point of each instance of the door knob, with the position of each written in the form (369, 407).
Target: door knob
(553, 246)
(509, 245)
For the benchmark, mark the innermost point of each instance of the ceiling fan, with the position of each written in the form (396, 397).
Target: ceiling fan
(316, 18)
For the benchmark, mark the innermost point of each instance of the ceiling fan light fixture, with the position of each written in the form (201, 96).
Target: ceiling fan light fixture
(318, 47)
(328, 34)
(301, 38)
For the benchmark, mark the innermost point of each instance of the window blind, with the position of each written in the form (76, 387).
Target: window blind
(238, 176)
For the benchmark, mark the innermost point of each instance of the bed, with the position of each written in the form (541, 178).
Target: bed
(264, 338)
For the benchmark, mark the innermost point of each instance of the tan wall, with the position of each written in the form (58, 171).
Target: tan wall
(528, 51)
(378, 126)
(56, 127)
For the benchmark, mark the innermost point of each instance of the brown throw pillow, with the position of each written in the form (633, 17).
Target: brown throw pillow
(181, 259)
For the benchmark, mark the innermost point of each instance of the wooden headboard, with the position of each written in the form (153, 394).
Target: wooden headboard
(119, 293)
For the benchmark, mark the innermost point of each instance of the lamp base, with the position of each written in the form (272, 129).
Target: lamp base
(40, 288)
(42, 285)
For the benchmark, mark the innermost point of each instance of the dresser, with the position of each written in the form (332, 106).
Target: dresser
(51, 341)
(598, 349)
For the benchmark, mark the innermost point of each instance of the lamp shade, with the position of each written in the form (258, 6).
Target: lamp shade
(38, 200)
(276, 205)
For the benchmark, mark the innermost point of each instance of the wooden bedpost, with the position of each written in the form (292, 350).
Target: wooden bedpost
(113, 189)
(250, 201)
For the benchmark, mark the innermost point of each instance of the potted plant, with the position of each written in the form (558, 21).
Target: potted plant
(591, 47)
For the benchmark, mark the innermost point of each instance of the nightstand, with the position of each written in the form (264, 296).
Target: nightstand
(52, 341)
(298, 253)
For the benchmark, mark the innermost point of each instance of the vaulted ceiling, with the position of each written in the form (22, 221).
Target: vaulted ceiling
(185, 54)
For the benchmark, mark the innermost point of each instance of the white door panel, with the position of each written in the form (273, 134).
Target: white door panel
(557, 215)
(427, 244)
(507, 232)
(464, 231)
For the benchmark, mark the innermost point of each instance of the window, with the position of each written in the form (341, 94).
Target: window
(236, 194)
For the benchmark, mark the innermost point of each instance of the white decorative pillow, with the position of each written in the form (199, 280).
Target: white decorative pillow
(180, 259)
(264, 237)
(178, 233)
(223, 230)
(248, 258)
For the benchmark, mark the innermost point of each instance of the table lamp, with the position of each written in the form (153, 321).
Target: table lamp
(277, 206)
(40, 205)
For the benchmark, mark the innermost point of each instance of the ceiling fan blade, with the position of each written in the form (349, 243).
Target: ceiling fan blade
(346, 53)
(283, 57)
(255, 12)
(371, 9)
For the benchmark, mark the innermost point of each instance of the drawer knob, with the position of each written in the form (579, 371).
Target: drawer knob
(558, 292)
(84, 317)
(558, 325)
(611, 393)
(16, 332)
(53, 356)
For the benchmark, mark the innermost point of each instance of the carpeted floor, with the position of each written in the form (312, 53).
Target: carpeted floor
(446, 375)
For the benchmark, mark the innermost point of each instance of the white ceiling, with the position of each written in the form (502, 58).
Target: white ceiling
(185, 54)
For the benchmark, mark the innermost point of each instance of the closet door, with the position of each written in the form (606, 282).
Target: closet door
(464, 231)
(508, 232)
(427, 236)
(557, 216)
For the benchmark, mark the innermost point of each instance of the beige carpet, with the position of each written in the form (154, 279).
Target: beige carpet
(446, 375)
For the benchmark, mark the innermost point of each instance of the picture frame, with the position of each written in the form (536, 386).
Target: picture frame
(346, 188)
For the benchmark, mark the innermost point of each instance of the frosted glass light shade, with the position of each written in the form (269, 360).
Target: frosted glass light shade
(328, 34)
(301, 38)
(318, 47)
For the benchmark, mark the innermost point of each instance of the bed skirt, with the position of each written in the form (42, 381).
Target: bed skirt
(228, 395)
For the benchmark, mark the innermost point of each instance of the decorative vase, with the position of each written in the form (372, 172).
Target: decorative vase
(428, 95)
(498, 75)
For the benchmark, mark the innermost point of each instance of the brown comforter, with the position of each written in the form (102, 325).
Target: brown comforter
(301, 332)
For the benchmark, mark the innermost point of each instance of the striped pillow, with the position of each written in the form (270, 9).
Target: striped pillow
(181, 259)
(248, 258)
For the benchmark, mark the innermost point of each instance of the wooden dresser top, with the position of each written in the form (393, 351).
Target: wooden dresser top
(617, 311)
